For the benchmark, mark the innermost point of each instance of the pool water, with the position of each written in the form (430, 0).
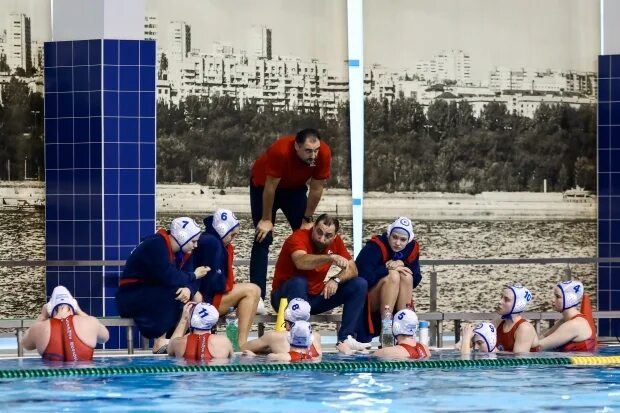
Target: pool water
(524, 389)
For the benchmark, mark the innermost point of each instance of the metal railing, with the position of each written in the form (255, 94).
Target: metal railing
(424, 262)
(436, 318)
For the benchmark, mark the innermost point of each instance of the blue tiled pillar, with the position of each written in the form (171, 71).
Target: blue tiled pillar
(609, 190)
(100, 163)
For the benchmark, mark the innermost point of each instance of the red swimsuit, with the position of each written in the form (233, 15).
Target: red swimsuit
(297, 356)
(415, 352)
(197, 347)
(64, 344)
(589, 344)
(506, 341)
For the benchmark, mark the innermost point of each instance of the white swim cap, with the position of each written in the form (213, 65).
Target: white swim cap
(183, 230)
(298, 309)
(572, 293)
(405, 323)
(61, 296)
(224, 221)
(487, 332)
(300, 334)
(403, 226)
(522, 297)
(204, 317)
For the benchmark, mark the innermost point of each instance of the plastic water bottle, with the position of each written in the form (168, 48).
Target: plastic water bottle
(232, 328)
(386, 339)
(424, 332)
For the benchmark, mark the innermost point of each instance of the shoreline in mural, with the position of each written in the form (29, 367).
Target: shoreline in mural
(495, 206)
(464, 111)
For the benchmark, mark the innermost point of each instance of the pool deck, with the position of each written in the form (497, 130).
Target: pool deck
(8, 348)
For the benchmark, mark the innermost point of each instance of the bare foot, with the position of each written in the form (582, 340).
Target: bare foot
(159, 344)
(344, 348)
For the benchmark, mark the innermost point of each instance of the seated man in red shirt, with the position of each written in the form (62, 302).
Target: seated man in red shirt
(199, 344)
(305, 259)
(63, 332)
(280, 180)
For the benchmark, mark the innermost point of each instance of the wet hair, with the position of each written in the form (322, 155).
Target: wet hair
(329, 220)
(304, 134)
(58, 307)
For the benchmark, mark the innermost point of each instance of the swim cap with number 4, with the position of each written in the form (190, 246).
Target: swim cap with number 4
(572, 293)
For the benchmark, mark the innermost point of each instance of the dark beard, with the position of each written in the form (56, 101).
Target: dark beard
(318, 246)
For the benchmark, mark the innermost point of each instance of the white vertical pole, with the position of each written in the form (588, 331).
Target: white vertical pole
(602, 6)
(355, 37)
(610, 41)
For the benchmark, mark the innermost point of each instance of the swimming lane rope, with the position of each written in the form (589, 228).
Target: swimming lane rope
(342, 366)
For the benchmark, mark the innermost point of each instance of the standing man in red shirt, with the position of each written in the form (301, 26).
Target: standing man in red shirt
(280, 179)
(305, 259)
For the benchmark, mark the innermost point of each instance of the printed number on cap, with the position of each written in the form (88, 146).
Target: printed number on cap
(185, 223)
(295, 307)
(528, 296)
(224, 216)
(203, 313)
(401, 316)
(577, 288)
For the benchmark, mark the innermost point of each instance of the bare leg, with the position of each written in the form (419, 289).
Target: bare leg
(405, 291)
(245, 298)
(270, 342)
(159, 342)
(385, 292)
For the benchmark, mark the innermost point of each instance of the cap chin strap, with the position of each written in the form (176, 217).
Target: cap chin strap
(564, 307)
(185, 243)
(403, 334)
(509, 315)
(201, 329)
(230, 230)
(486, 342)
(180, 254)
